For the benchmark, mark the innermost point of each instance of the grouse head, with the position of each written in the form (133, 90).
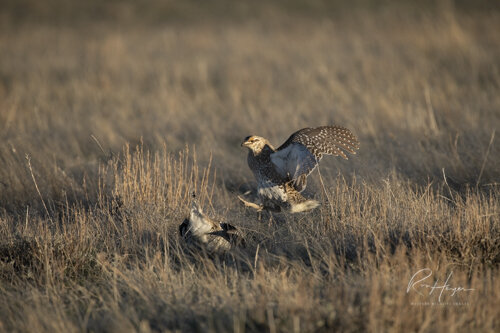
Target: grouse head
(255, 143)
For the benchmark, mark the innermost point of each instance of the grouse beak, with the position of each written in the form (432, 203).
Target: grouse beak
(245, 143)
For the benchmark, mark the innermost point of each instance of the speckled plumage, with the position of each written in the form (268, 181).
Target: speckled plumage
(281, 173)
(329, 140)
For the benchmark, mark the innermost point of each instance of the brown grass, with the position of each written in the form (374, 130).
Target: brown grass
(107, 128)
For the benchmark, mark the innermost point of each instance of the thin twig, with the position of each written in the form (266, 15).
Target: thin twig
(37, 189)
(448, 186)
(430, 110)
(98, 144)
(27, 218)
(108, 155)
(256, 258)
(485, 158)
(325, 192)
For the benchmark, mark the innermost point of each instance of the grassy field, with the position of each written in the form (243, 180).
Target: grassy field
(112, 113)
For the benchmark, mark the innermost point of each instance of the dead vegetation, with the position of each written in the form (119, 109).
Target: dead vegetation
(108, 129)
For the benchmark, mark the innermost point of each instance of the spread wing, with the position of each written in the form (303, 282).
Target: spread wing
(199, 222)
(301, 153)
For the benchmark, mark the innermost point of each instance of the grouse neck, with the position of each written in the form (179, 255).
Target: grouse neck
(265, 152)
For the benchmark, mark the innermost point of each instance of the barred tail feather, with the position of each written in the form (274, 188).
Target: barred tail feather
(304, 206)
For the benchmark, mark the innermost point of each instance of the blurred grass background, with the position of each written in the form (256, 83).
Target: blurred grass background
(153, 12)
(417, 83)
(88, 220)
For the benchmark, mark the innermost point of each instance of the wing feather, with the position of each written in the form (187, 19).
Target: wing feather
(303, 150)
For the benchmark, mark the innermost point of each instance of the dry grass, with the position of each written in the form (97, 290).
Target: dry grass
(108, 127)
